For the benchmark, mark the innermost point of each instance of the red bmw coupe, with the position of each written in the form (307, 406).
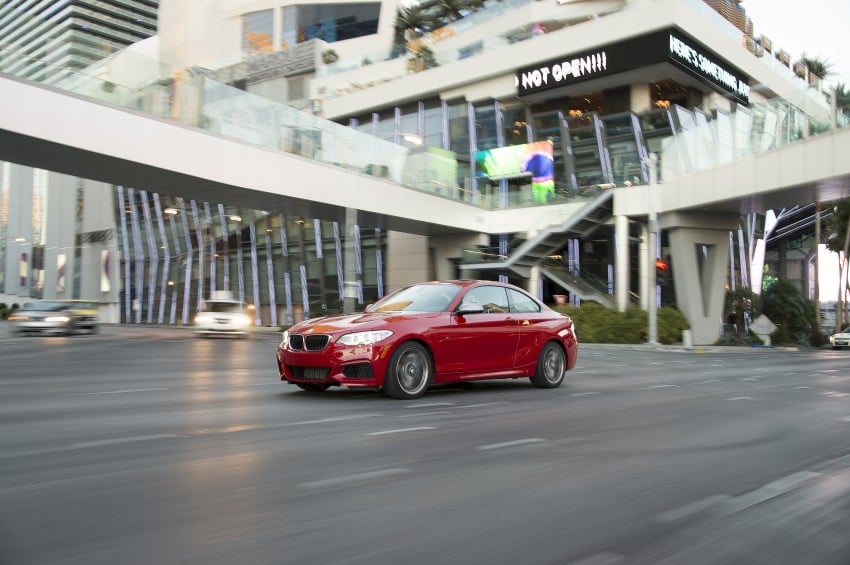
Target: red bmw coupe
(432, 333)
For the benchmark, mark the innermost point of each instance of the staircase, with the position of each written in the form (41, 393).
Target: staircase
(549, 241)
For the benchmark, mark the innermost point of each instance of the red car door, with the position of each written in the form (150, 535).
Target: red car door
(483, 342)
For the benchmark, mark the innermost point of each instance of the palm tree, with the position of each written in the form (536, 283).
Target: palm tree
(821, 68)
(842, 96)
(412, 21)
(451, 9)
(838, 225)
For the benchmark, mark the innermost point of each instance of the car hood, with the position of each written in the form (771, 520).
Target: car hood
(841, 335)
(364, 321)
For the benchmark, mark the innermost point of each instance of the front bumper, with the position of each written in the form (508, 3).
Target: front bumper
(357, 366)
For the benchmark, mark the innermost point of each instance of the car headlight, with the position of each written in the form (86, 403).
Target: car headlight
(61, 319)
(203, 319)
(364, 338)
(241, 320)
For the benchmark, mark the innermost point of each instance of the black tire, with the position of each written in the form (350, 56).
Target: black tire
(313, 387)
(551, 366)
(409, 373)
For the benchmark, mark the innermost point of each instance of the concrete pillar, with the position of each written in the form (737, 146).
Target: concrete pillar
(622, 263)
(407, 260)
(446, 250)
(643, 271)
(699, 247)
(641, 98)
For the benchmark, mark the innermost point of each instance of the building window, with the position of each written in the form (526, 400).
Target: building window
(257, 31)
(329, 22)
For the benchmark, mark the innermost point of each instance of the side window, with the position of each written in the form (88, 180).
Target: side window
(493, 299)
(523, 302)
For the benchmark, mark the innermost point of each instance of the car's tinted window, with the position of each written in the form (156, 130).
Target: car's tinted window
(522, 302)
(493, 299)
(418, 298)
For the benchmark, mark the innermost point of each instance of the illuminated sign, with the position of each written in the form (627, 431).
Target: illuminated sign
(670, 46)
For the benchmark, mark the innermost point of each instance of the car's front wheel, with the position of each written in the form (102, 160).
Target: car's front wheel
(550, 367)
(409, 373)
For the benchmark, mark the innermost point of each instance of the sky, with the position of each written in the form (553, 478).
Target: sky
(818, 28)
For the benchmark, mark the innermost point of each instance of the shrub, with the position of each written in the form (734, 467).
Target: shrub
(598, 324)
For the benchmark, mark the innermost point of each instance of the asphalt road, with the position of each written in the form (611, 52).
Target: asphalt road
(146, 445)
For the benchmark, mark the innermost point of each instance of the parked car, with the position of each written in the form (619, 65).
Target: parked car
(62, 317)
(840, 339)
(432, 333)
(222, 315)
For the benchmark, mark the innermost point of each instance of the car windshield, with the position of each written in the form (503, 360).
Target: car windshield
(229, 307)
(435, 297)
(47, 306)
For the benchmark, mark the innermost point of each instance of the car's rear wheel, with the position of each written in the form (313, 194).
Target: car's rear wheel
(550, 367)
(409, 373)
(313, 387)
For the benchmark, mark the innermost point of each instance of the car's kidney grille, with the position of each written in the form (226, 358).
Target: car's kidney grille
(316, 342)
(309, 342)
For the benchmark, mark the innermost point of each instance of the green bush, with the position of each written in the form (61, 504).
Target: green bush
(598, 324)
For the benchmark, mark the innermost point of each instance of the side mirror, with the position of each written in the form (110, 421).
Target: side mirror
(469, 308)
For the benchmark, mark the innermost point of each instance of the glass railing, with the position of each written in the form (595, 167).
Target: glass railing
(194, 99)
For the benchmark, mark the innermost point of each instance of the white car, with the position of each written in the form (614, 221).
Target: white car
(840, 339)
(223, 317)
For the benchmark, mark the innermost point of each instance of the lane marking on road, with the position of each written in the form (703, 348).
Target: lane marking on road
(326, 420)
(767, 492)
(421, 414)
(803, 388)
(587, 372)
(710, 381)
(691, 509)
(364, 477)
(481, 404)
(749, 378)
(401, 431)
(845, 419)
(515, 443)
(789, 374)
(430, 405)
(830, 370)
(740, 398)
(579, 394)
(120, 440)
(604, 558)
(653, 387)
(119, 391)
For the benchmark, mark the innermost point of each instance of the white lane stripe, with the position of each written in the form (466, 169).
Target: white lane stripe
(578, 394)
(845, 419)
(401, 431)
(430, 405)
(689, 510)
(325, 420)
(740, 398)
(768, 491)
(420, 414)
(481, 404)
(802, 388)
(514, 443)
(355, 478)
(120, 440)
(120, 391)
(711, 381)
(653, 387)
(604, 558)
